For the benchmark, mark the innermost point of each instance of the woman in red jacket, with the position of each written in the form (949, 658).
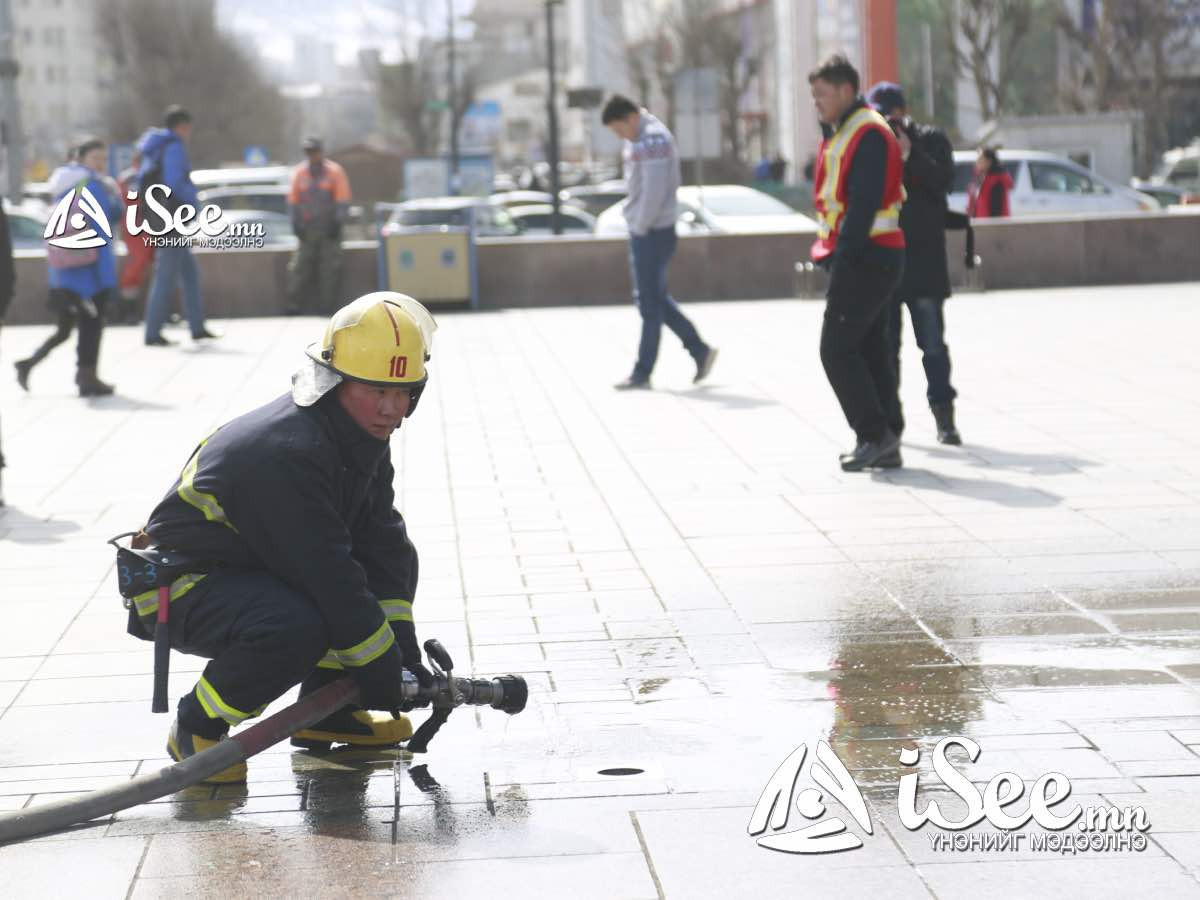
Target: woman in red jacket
(987, 197)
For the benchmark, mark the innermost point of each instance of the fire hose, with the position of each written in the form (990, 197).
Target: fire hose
(507, 693)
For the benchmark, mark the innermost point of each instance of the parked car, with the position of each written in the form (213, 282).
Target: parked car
(27, 230)
(720, 209)
(1044, 183)
(277, 227)
(1166, 194)
(512, 199)
(272, 198)
(488, 219)
(1177, 178)
(535, 220)
(242, 176)
(595, 198)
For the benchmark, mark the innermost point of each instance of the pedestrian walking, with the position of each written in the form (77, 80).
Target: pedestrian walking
(139, 254)
(928, 177)
(165, 161)
(858, 192)
(82, 280)
(652, 174)
(987, 195)
(8, 281)
(318, 201)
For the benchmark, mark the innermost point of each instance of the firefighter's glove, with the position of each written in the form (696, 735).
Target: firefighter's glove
(380, 681)
(406, 640)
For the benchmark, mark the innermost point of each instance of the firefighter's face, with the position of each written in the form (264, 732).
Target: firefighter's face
(377, 410)
(831, 100)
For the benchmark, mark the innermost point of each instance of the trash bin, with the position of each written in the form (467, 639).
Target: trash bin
(434, 264)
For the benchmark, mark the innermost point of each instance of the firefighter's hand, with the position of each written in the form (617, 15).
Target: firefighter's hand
(410, 649)
(380, 681)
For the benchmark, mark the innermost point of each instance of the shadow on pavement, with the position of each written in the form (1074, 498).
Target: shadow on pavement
(1031, 463)
(121, 402)
(1011, 495)
(22, 528)
(727, 400)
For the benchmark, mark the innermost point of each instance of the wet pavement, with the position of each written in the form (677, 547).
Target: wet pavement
(692, 588)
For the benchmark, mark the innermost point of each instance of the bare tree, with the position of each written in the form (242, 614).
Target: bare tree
(405, 91)
(1130, 55)
(737, 66)
(983, 38)
(171, 51)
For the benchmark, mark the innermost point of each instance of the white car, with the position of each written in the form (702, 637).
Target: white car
(1045, 184)
(719, 209)
(535, 220)
(487, 218)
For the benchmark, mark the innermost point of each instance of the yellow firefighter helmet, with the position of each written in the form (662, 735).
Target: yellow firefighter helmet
(383, 338)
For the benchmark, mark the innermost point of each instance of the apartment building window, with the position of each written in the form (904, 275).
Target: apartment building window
(51, 74)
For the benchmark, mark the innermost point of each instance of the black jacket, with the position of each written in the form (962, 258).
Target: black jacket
(8, 272)
(304, 493)
(928, 177)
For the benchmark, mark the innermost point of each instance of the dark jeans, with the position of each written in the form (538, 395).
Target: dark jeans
(262, 636)
(649, 256)
(929, 326)
(854, 348)
(73, 310)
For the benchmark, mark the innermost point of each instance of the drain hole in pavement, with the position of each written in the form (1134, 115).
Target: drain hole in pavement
(621, 771)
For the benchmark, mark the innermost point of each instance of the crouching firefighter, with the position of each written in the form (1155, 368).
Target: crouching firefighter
(289, 563)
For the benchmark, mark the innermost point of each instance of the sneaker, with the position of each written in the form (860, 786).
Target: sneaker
(633, 384)
(704, 366)
(181, 744)
(356, 727)
(206, 334)
(159, 341)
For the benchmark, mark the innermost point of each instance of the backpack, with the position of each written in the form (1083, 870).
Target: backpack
(153, 175)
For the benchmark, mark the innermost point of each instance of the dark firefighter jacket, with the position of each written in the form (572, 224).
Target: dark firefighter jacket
(304, 493)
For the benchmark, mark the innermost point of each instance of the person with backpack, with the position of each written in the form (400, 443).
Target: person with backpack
(165, 161)
(82, 280)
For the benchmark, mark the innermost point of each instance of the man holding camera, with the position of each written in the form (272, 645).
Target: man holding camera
(319, 201)
(925, 285)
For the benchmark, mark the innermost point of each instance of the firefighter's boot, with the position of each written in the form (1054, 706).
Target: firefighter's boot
(356, 727)
(181, 744)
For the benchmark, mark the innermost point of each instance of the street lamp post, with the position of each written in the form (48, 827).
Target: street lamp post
(11, 140)
(552, 110)
(450, 49)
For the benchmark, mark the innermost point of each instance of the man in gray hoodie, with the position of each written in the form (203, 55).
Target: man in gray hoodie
(651, 167)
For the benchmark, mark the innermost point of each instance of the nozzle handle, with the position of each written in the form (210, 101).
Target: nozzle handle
(436, 652)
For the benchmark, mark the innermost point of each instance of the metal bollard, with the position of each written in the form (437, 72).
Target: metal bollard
(804, 282)
(974, 279)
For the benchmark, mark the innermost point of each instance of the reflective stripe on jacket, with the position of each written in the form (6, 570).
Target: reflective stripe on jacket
(835, 158)
(303, 493)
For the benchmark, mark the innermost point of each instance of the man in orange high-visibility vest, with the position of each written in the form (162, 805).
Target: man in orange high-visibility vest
(319, 201)
(858, 192)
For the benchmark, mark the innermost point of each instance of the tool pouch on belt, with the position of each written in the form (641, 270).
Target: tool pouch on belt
(142, 569)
